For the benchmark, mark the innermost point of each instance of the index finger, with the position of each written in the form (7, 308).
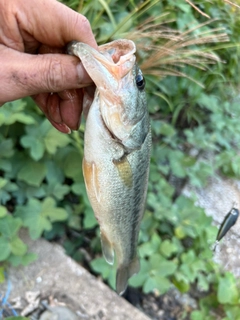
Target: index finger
(52, 23)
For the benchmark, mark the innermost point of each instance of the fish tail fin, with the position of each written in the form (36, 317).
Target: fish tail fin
(107, 249)
(124, 273)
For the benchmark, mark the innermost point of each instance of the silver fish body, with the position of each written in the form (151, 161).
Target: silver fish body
(117, 143)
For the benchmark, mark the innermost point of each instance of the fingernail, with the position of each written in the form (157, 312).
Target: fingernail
(62, 127)
(79, 122)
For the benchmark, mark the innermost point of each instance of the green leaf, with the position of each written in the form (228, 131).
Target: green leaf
(22, 260)
(188, 257)
(3, 182)
(6, 147)
(28, 258)
(167, 130)
(181, 285)
(60, 191)
(3, 212)
(167, 248)
(166, 268)
(9, 226)
(73, 166)
(203, 282)
(232, 312)
(197, 315)
(5, 165)
(32, 173)
(49, 210)
(33, 219)
(55, 139)
(89, 220)
(36, 228)
(38, 217)
(5, 249)
(99, 265)
(57, 190)
(227, 290)
(2, 276)
(54, 173)
(149, 285)
(6, 190)
(35, 145)
(176, 158)
(13, 111)
(180, 232)
(78, 188)
(146, 249)
(18, 247)
(158, 283)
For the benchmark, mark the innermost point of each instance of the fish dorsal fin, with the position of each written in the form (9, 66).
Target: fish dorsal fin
(124, 170)
(90, 172)
(124, 273)
(107, 248)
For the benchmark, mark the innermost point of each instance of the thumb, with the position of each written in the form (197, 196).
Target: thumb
(25, 75)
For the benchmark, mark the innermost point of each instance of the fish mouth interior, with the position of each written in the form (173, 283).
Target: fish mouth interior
(122, 50)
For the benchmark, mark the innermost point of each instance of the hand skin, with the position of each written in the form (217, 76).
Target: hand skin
(33, 34)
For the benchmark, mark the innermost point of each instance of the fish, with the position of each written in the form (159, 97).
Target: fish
(228, 222)
(117, 147)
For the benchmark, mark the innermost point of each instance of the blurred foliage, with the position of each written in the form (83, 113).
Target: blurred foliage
(195, 135)
(17, 318)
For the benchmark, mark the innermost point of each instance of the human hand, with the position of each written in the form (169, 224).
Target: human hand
(33, 34)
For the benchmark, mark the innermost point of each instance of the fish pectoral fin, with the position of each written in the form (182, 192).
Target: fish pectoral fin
(124, 273)
(90, 173)
(107, 248)
(124, 170)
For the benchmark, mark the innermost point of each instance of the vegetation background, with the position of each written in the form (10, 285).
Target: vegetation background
(191, 66)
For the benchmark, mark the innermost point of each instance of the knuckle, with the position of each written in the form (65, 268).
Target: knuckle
(83, 24)
(54, 75)
(86, 23)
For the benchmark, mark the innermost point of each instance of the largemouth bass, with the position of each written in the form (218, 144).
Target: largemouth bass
(117, 143)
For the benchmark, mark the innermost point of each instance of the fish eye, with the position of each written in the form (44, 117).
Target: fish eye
(140, 81)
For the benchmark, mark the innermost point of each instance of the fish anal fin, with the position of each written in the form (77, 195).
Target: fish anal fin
(124, 170)
(107, 248)
(124, 273)
(90, 173)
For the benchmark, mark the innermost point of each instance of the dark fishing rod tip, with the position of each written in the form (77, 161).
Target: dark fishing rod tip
(228, 222)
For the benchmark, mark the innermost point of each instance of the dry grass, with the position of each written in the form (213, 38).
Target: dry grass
(164, 51)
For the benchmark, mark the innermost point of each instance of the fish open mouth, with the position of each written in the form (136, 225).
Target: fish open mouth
(111, 63)
(122, 50)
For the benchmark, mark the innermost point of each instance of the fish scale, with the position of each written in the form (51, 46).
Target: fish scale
(117, 144)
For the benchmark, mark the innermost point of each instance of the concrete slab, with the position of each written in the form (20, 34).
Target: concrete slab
(55, 274)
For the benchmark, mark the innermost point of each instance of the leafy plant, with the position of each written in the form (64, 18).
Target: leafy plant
(37, 173)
